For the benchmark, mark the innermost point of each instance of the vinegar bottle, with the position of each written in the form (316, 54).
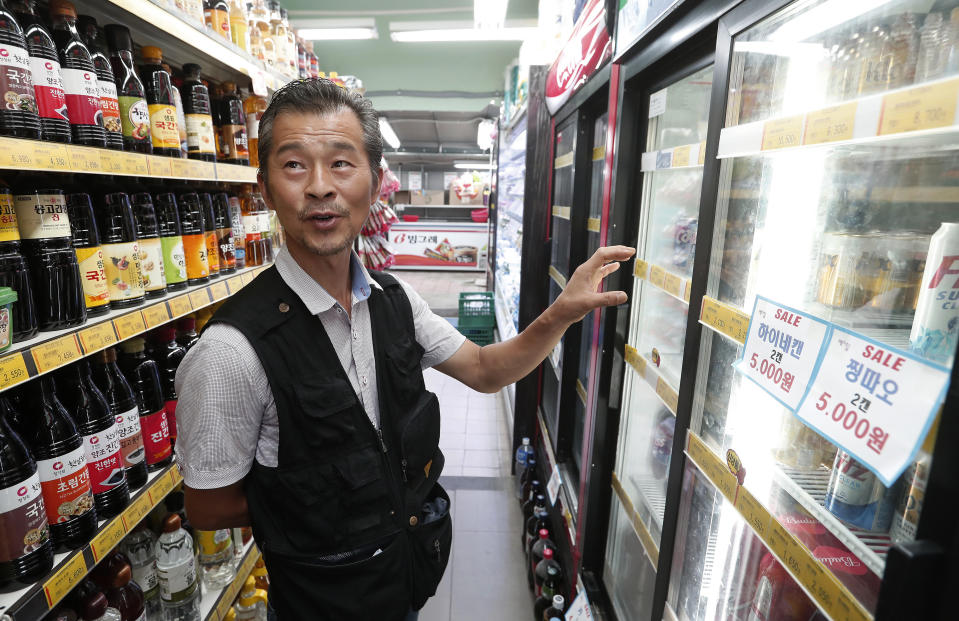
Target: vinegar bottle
(140, 547)
(176, 566)
(200, 136)
(134, 112)
(256, 223)
(144, 377)
(234, 148)
(123, 405)
(171, 240)
(194, 239)
(45, 70)
(126, 596)
(151, 248)
(107, 86)
(161, 103)
(209, 234)
(253, 107)
(86, 245)
(13, 269)
(224, 232)
(121, 251)
(18, 116)
(62, 465)
(79, 77)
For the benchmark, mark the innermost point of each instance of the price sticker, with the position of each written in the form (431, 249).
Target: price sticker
(98, 337)
(667, 394)
(674, 285)
(160, 166)
(754, 513)
(640, 268)
(779, 540)
(51, 157)
(657, 276)
(135, 164)
(156, 315)
(202, 170)
(129, 325)
(635, 360)
(15, 153)
(13, 370)
(599, 154)
(246, 277)
(581, 391)
(592, 225)
(702, 153)
(783, 133)
(681, 155)
(725, 319)
(138, 509)
(199, 298)
(553, 485)
(62, 582)
(175, 477)
(688, 291)
(563, 160)
(560, 211)
(875, 401)
(782, 350)
(664, 159)
(830, 124)
(235, 283)
(163, 486)
(219, 291)
(111, 162)
(180, 305)
(84, 159)
(107, 539)
(56, 353)
(923, 107)
(181, 168)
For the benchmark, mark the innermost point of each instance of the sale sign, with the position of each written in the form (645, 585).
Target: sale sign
(782, 349)
(875, 401)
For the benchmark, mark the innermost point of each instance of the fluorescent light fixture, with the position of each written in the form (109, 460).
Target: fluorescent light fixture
(386, 130)
(822, 18)
(473, 165)
(463, 34)
(338, 34)
(489, 14)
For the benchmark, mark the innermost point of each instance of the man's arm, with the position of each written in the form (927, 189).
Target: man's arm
(213, 509)
(489, 368)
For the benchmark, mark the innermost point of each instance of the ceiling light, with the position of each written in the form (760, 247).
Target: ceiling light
(337, 34)
(473, 165)
(386, 130)
(463, 34)
(489, 13)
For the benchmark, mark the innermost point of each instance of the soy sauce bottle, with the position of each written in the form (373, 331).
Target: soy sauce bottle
(62, 464)
(18, 114)
(168, 354)
(109, 102)
(224, 232)
(27, 553)
(13, 270)
(151, 248)
(161, 103)
(119, 396)
(200, 132)
(45, 234)
(171, 240)
(101, 438)
(134, 112)
(121, 252)
(143, 374)
(45, 70)
(86, 246)
(209, 234)
(79, 77)
(194, 240)
(234, 148)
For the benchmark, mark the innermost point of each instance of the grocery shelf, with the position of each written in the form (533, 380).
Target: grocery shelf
(561, 211)
(922, 115)
(661, 278)
(69, 569)
(38, 155)
(558, 278)
(657, 381)
(731, 322)
(639, 527)
(50, 350)
(215, 604)
(910, 194)
(684, 156)
(581, 392)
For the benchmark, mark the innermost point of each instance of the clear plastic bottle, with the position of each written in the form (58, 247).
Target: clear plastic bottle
(523, 452)
(194, 8)
(950, 43)
(251, 605)
(239, 25)
(932, 53)
(902, 50)
(256, 37)
(216, 557)
(97, 608)
(291, 57)
(254, 106)
(140, 548)
(176, 568)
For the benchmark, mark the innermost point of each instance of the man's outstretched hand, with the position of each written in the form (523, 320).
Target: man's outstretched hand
(582, 294)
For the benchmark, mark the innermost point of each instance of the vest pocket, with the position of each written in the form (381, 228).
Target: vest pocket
(327, 408)
(430, 541)
(419, 435)
(403, 358)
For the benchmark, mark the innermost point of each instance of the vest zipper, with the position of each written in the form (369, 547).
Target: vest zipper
(379, 436)
(436, 548)
(403, 467)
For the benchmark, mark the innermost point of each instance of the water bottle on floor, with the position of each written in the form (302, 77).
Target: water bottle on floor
(523, 452)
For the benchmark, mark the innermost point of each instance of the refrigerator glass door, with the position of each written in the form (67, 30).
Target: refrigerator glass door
(509, 226)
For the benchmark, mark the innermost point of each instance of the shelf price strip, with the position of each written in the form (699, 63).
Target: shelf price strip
(129, 325)
(558, 278)
(642, 532)
(660, 278)
(919, 108)
(97, 337)
(13, 370)
(724, 319)
(581, 391)
(65, 578)
(56, 353)
(635, 360)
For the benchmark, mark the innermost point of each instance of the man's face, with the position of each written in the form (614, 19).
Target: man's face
(319, 180)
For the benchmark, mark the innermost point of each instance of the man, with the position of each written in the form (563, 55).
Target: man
(302, 408)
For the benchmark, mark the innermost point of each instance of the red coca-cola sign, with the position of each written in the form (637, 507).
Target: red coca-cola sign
(588, 46)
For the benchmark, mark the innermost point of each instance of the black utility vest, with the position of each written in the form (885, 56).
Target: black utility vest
(340, 519)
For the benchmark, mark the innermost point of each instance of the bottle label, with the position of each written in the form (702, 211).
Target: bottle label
(233, 143)
(163, 126)
(178, 582)
(95, 290)
(151, 264)
(131, 437)
(239, 236)
(8, 219)
(16, 84)
(219, 21)
(224, 240)
(23, 523)
(256, 224)
(253, 126)
(5, 336)
(110, 106)
(83, 96)
(212, 251)
(213, 543)
(146, 575)
(42, 216)
(48, 85)
(103, 459)
(156, 436)
(238, 32)
(121, 263)
(194, 248)
(174, 261)
(135, 116)
(170, 407)
(65, 481)
(199, 133)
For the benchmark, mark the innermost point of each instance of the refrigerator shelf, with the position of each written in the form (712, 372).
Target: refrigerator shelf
(731, 322)
(581, 392)
(561, 211)
(558, 278)
(659, 277)
(639, 527)
(684, 156)
(657, 381)
(564, 160)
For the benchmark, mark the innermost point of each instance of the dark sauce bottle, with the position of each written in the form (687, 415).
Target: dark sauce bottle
(161, 102)
(86, 245)
(168, 354)
(121, 252)
(18, 114)
(134, 112)
(151, 247)
(194, 240)
(13, 270)
(223, 216)
(107, 86)
(79, 77)
(143, 374)
(116, 390)
(200, 132)
(209, 234)
(171, 240)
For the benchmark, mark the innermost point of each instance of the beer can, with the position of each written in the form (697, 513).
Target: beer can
(905, 520)
(856, 496)
(936, 324)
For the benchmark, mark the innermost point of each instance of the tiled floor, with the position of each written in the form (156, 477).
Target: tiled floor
(442, 289)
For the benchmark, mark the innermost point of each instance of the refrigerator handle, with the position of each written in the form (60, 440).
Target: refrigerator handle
(912, 584)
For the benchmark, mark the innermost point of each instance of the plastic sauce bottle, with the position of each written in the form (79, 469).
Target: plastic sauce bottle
(239, 237)
(101, 438)
(216, 15)
(216, 557)
(209, 234)
(45, 70)
(178, 104)
(143, 374)
(126, 596)
(97, 608)
(62, 465)
(239, 27)
(161, 103)
(223, 219)
(86, 245)
(13, 270)
(176, 567)
(200, 132)
(279, 36)
(194, 241)
(251, 604)
(234, 148)
(18, 116)
(253, 107)
(119, 396)
(256, 223)
(291, 60)
(171, 241)
(168, 355)
(186, 334)
(109, 104)
(121, 251)
(79, 77)
(151, 248)
(140, 548)
(134, 112)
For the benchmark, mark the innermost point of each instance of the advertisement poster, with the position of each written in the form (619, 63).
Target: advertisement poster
(588, 47)
(442, 245)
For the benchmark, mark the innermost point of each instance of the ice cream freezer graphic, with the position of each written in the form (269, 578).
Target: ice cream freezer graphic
(441, 245)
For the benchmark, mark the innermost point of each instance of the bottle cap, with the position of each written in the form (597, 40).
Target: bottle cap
(118, 37)
(525, 441)
(548, 553)
(87, 26)
(558, 601)
(229, 87)
(133, 346)
(122, 577)
(151, 54)
(543, 533)
(95, 606)
(171, 523)
(105, 356)
(192, 70)
(165, 334)
(62, 7)
(249, 587)
(186, 324)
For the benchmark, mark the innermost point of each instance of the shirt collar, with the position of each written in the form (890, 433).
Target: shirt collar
(314, 296)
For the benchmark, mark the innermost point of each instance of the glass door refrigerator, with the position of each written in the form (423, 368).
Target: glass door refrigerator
(837, 197)
(510, 184)
(672, 169)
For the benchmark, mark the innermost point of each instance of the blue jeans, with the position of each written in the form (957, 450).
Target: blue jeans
(271, 613)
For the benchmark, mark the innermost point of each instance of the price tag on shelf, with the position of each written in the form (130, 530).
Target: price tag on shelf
(782, 350)
(202, 170)
(84, 159)
(635, 360)
(688, 291)
(137, 510)
(111, 162)
(62, 582)
(163, 486)
(13, 153)
(13, 370)
(657, 276)
(599, 154)
(180, 305)
(580, 391)
(51, 156)
(97, 337)
(129, 325)
(667, 394)
(258, 79)
(199, 298)
(181, 168)
(235, 283)
(579, 610)
(107, 539)
(56, 353)
(640, 268)
(156, 315)
(831, 124)
(674, 285)
(160, 166)
(219, 291)
(552, 486)
(783, 133)
(135, 164)
(754, 513)
(923, 107)
(246, 277)
(725, 319)
(702, 153)
(593, 224)
(875, 401)
(681, 155)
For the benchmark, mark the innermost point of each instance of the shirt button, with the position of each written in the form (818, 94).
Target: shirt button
(413, 520)
(355, 335)
(365, 381)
